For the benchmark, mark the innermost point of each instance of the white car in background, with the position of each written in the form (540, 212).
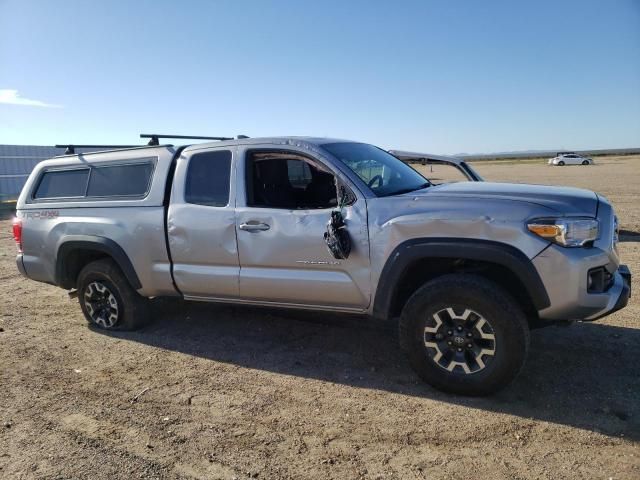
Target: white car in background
(570, 158)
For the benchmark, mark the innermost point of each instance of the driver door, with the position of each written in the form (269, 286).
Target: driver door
(284, 202)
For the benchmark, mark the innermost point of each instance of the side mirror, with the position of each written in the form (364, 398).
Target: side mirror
(337, 237)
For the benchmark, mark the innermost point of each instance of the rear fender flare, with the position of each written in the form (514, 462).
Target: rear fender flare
(101, 244)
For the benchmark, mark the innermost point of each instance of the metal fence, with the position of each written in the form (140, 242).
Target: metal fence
(17, 162)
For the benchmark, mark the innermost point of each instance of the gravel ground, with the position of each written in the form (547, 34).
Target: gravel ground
(228, 392)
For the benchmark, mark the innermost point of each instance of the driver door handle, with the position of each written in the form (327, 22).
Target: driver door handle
(254, 227)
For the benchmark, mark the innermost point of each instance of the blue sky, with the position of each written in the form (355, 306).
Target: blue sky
(443, 77)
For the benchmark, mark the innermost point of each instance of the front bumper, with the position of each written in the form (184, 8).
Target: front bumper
(565, 273)
(585, 283)
(623, 297)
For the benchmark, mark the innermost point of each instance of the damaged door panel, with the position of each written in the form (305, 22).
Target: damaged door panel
(201, 226)
(287, 260)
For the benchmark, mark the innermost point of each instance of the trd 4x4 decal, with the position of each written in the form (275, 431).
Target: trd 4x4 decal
(41, 214)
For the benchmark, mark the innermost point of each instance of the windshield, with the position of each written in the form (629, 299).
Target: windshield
(384, 173)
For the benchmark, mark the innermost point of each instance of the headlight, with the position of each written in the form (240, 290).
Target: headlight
(567, 232)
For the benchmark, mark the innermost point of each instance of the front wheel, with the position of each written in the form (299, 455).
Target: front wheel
(561, 163)
(107, 299)
(464, 334)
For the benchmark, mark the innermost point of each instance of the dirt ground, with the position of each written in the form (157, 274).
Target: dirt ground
(227, 392)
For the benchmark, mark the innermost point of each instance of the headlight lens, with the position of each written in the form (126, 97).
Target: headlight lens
(567, 232)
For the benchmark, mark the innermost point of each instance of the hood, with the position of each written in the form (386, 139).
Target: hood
(564, 200)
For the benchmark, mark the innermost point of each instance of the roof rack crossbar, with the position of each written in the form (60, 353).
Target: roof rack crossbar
(154, 137)
(70, 149)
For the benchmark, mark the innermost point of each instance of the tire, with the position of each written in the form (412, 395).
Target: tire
(107, 299)
(482, 309)
(561, 163)
(585, 162)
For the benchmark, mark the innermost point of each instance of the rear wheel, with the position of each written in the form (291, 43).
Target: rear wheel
(464, 334)
(585, 162)
(107, 299)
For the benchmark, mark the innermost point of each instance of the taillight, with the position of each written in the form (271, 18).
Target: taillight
(17, 233)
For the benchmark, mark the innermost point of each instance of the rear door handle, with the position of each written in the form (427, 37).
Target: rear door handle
(254, 227)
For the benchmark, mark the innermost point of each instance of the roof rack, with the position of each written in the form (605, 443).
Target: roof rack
(70, 149)
(155, 137)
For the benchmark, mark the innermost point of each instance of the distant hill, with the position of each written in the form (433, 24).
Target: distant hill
(546, 153)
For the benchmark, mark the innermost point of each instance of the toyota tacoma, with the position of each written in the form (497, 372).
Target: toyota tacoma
(464, 270)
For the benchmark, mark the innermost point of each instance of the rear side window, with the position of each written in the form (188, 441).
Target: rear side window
(63, 184)
(97, 181)
(208, 178)
(120, 180)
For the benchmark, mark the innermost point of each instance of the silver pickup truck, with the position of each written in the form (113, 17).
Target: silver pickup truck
(465, 269)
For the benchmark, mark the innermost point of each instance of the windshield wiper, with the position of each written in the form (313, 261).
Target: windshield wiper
(408, 190)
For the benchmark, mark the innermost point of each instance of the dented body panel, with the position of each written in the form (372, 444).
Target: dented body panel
(202, 240)
(447, 217)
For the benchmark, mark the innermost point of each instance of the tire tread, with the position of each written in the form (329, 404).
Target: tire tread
(136, 307)
(471, 285)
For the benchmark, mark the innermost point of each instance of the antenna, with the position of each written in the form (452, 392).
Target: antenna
(70, 149)
(155, 137)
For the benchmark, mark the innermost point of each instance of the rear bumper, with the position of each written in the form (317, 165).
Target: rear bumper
(20, 265)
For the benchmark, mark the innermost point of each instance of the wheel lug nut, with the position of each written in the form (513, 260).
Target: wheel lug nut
(459, 328)
(469, 345)
(449, 343)
(469, 334)
(459, 349)
(449, 332)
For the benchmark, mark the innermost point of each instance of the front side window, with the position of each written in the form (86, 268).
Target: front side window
(208, 179)
(382, 172)
(62, 184)
(285, 180)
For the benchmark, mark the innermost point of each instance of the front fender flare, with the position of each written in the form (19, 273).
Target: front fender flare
(459, 248)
